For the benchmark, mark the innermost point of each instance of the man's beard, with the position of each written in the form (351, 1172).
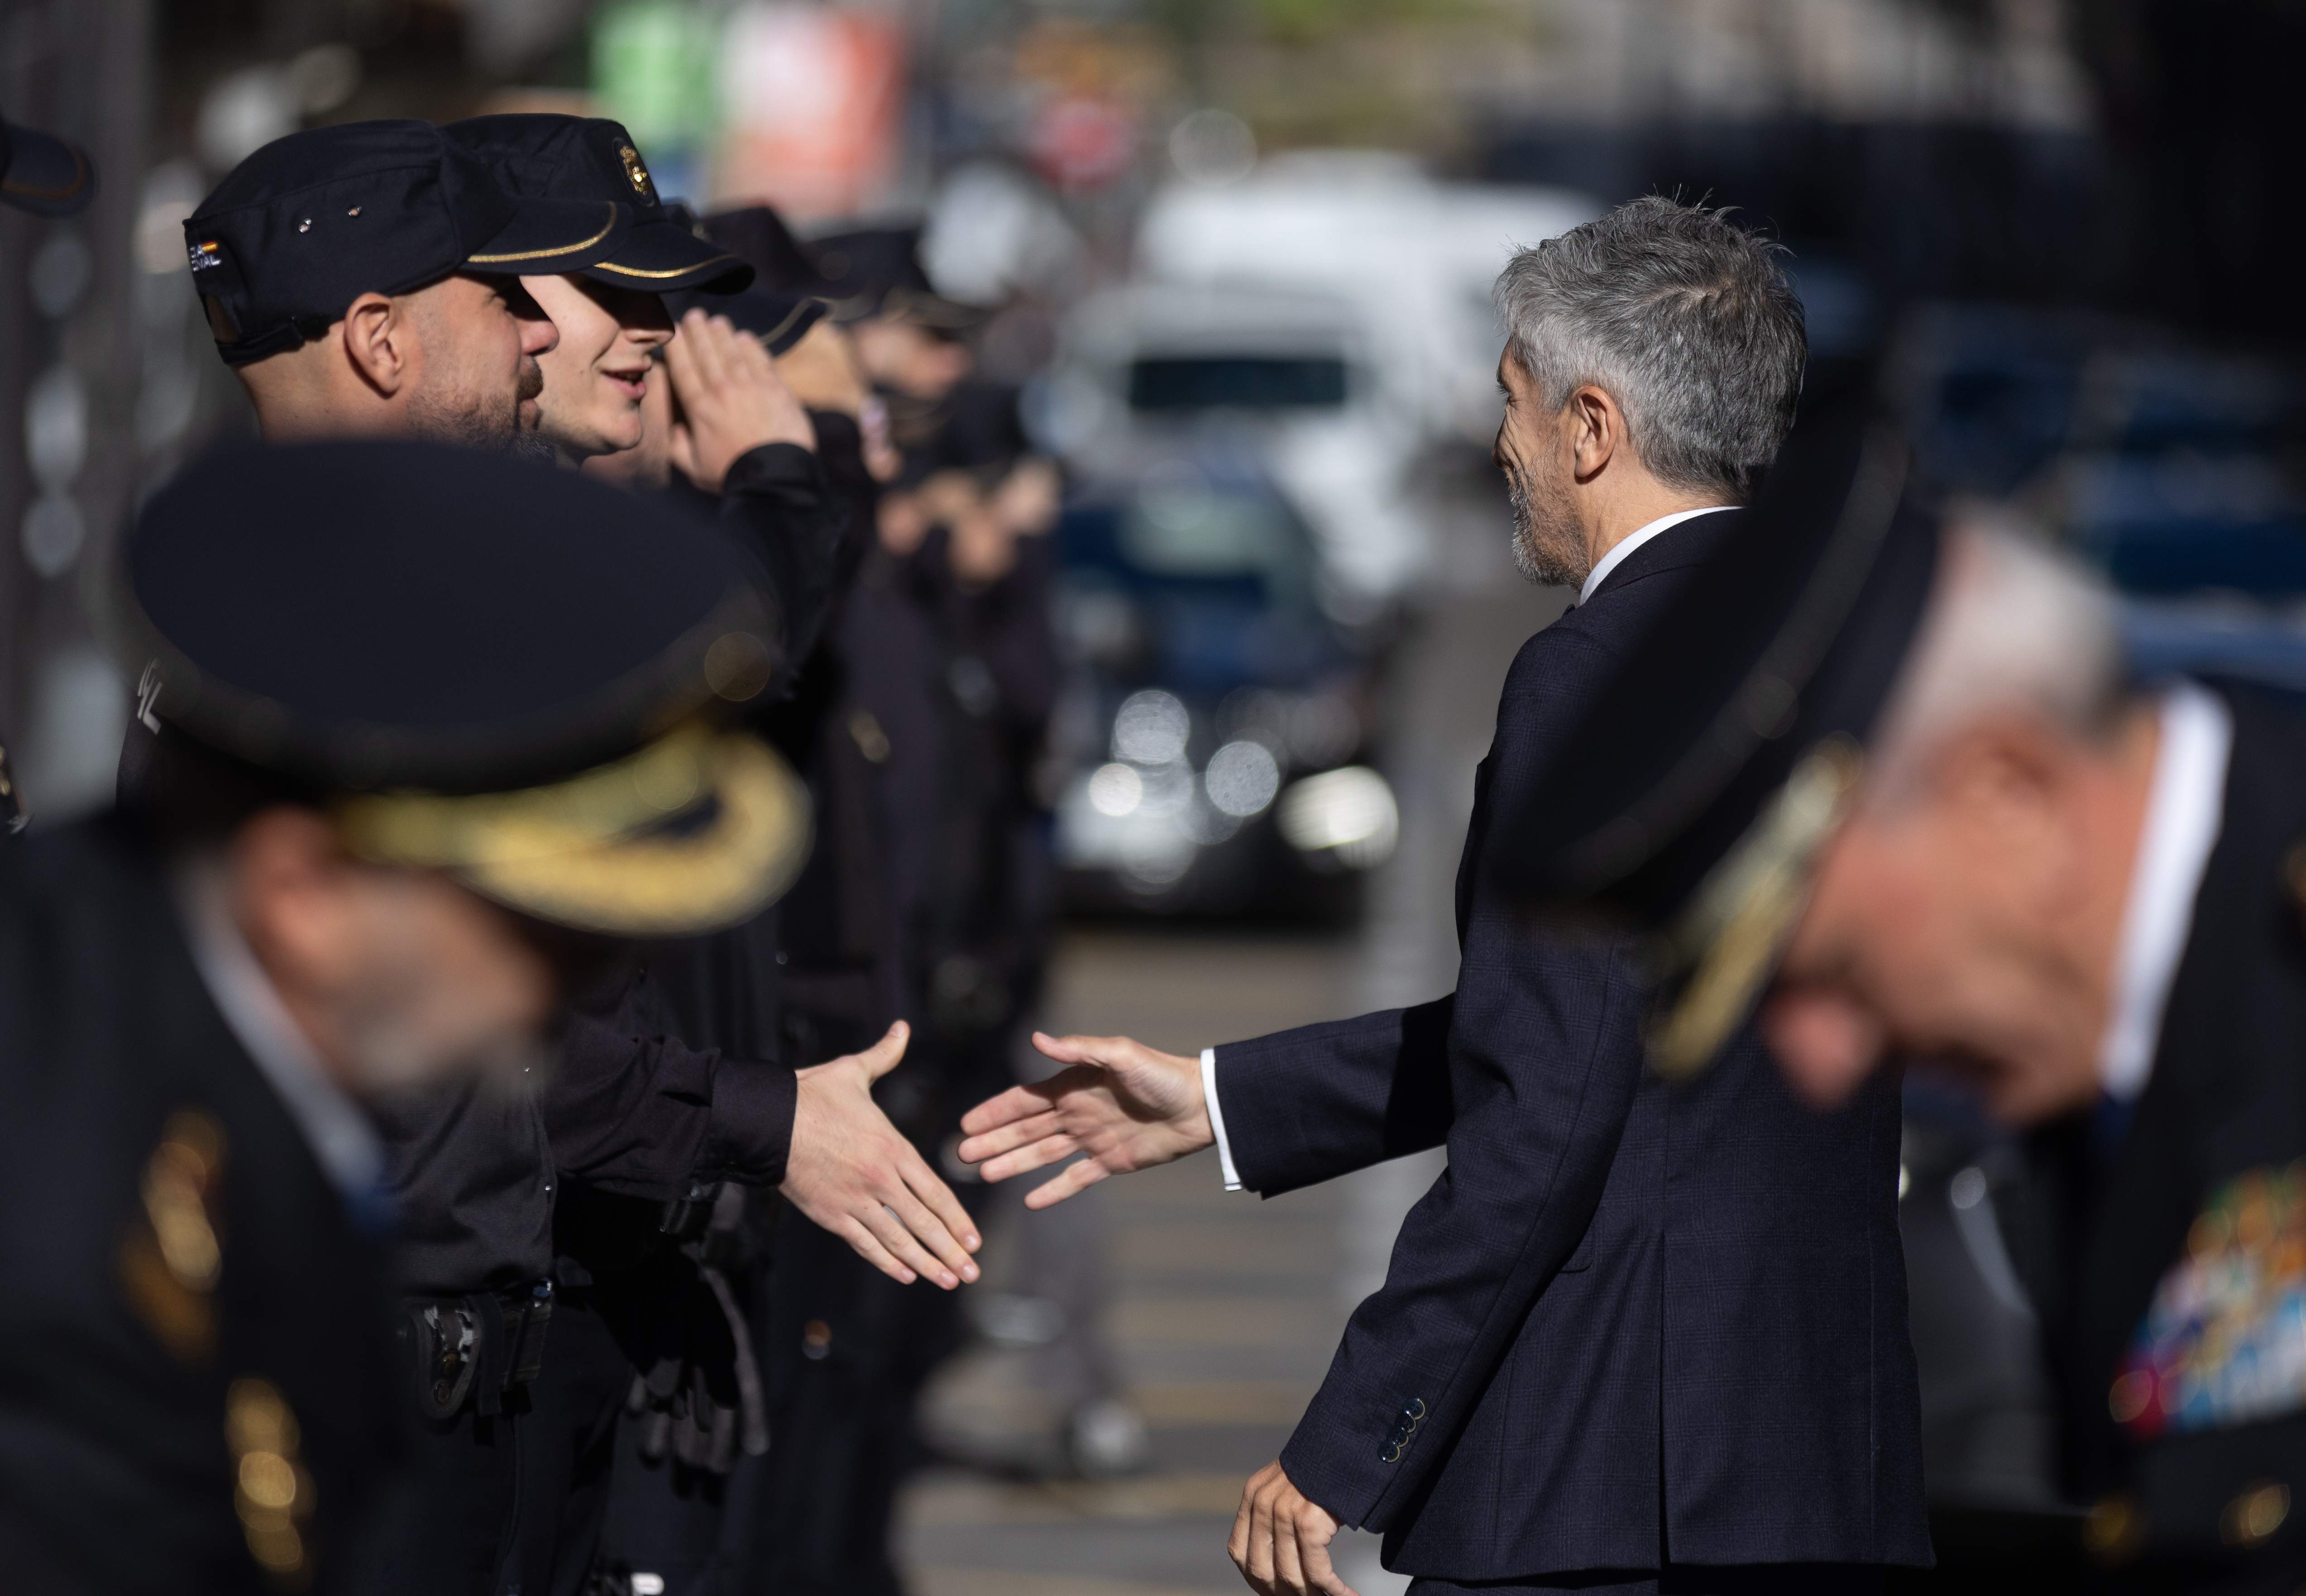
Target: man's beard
(480, 421)
(1547, 546)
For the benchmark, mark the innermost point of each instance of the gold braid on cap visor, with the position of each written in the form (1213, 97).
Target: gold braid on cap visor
(1724, 946)
(696, 832)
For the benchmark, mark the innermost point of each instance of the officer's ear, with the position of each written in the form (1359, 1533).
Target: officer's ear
(380, 341)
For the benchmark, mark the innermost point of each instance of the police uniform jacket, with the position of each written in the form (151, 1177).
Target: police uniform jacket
(196, 1389)
(1632, 1322)
(2169, 1258)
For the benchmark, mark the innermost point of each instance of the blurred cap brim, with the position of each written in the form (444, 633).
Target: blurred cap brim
(779, 320)
(548, 236)
(658, 256)
(42, 174)
(698, 831)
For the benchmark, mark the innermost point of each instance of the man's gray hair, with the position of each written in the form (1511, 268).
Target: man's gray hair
(1688, 321)
(2013, 627)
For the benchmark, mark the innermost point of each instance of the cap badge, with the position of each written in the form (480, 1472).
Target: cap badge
(635, 171)
(204, 255)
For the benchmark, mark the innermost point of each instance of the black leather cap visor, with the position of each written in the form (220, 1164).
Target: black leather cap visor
(42, 174)
(512, 674)
(591, 158)
(779, 321)
(877, 271)
(311, 222)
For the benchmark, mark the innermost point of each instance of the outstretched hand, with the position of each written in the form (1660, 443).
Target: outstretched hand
(1125, 1105)
(852, 1174)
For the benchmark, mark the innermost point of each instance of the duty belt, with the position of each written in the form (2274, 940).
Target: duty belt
(477, 1347)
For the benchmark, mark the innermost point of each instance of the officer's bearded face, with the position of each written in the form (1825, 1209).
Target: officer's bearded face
(479, 381)
(396, 977)
(446, 988)
(1549, 546)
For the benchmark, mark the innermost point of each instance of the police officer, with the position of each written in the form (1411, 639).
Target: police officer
(46, 176)
(1888, 781)
(741, 438)
(477, 1174)
(393, 808)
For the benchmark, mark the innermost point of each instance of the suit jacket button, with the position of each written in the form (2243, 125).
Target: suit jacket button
(2251, 1518)
(2114, 1530)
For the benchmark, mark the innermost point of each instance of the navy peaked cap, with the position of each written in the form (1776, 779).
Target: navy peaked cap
(591, 158)
(384, 615)
(309, 223)
(515, 675)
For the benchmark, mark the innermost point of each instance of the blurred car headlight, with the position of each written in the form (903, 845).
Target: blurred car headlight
(1151, 728)
(1242, 779)
(1346, 815)
(1115, 790)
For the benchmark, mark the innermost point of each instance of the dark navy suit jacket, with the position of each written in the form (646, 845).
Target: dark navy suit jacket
(1641, 1323)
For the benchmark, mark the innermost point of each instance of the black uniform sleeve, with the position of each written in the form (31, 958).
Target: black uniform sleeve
(632, 1109)
(776, 501)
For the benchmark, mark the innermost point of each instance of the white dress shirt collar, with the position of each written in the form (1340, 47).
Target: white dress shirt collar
(334, 1127)
(1634, 540)
(2183, 811)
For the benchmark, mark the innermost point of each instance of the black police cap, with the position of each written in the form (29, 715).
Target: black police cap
(877, 271)
(1691, 803)
(591, 158)
(779, 320)
(42, 174)
(311, 222)
(757, 236)
(511, 674)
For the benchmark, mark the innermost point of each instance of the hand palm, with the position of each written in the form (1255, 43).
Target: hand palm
(1124, 1104)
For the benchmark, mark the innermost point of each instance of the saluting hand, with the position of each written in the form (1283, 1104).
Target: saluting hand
(853, 1175)
(731, 399)
(1124, 1104)
(1280, 1539)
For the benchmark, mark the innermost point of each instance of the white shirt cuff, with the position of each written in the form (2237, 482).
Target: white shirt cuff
(1217, 1118)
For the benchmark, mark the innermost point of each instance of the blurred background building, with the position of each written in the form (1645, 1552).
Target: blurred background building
(1240, 253)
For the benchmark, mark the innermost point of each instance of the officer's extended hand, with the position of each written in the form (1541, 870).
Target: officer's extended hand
(1124, 1104)
(1280, 1541)
(731, 399)
(853, 1175)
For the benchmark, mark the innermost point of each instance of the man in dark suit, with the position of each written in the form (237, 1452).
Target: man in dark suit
(1969, 840)
(392, 809)
(1636, 1337)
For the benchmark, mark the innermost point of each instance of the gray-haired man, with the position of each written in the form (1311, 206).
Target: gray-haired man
(1637, 1337)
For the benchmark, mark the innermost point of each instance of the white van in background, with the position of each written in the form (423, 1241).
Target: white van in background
(1329, 312)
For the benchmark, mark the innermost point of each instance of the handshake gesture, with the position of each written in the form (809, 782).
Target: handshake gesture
(1125, 1105)
(1128, 1107)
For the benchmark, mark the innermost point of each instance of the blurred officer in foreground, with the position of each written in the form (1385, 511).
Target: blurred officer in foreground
(393, 810)
(1634, 1339)
(1897, 775)
(45, 177)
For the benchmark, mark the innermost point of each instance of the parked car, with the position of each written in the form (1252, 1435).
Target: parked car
(1212, 752)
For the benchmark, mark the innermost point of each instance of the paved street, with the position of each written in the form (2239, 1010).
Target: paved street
(1225, 1309)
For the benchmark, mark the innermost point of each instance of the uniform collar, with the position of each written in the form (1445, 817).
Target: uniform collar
(2182, 814)
(333, 1126)
(1634, 540)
